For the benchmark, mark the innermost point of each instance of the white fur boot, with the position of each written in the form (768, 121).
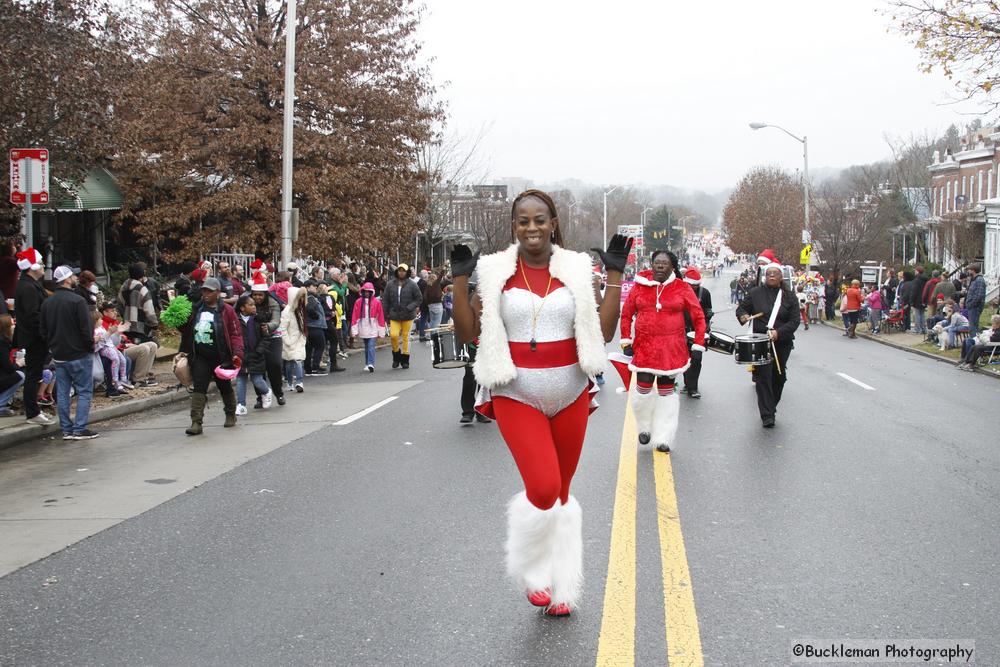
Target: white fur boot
(567, 555)
(643, 406)
(529, 543)
(665, 420)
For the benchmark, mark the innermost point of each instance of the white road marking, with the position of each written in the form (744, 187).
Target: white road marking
(370, 409)
(857, 382)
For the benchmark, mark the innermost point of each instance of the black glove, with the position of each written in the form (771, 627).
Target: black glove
(627, 351)
(616, 256)
(463, 262)
(696, 355)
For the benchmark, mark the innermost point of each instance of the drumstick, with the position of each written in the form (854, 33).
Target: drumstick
(774, 351)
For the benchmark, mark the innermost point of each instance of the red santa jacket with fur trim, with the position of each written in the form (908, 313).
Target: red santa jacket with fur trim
(658, 337)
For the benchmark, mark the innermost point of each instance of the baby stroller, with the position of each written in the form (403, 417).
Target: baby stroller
(893, 321)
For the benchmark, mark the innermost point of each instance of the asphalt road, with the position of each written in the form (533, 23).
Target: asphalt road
(865, 514)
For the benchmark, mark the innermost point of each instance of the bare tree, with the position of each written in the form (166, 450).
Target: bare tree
(446, 163)
(490, 225)
(855, 215)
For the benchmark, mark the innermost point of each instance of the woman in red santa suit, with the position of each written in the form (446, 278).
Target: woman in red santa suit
(657, 343)
(541, 341)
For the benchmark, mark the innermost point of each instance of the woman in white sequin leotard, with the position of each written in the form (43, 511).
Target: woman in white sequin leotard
(540, 341)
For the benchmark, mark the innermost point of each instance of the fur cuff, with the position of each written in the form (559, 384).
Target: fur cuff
(699, 348)
(530, 533)
(567, 554)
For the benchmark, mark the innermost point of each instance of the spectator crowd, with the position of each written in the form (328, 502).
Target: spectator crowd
(61, 338)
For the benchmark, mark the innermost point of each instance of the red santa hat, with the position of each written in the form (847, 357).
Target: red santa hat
(29, 258)
(257, 264)
(692, 276)
(259, 282)
(766, 256)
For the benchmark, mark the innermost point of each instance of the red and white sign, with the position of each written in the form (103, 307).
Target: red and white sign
(627, 286)
(20, 160)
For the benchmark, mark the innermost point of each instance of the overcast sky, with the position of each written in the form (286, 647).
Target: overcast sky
(652, 92)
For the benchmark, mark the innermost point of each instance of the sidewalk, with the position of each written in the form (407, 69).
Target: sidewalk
(915, 343)
(14, 430)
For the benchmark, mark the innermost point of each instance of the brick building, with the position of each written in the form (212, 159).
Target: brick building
(964, 224)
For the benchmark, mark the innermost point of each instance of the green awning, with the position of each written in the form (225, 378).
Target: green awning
(98, 192)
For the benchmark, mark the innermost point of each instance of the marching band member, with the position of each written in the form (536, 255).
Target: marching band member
(540, 341)
(657, 343)
(779, 320)
(764, 259)
(691, 376)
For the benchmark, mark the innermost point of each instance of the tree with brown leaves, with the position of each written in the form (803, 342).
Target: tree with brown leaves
(61, 68)
(203, 169)
(765, 211)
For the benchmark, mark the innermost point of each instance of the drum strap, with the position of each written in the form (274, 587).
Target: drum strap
(774, 310)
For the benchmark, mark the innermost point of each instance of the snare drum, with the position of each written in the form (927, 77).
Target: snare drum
(719, 341)
(447, 351)
(753, 349)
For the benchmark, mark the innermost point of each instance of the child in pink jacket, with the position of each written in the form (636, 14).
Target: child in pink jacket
(874, 301)
(368, 322)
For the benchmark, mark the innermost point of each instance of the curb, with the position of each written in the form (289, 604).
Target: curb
(905, 348)
(15, 435)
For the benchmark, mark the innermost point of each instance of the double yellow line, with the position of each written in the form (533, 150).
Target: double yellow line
(616, 645)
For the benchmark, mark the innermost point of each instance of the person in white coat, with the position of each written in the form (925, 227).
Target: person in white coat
(293, 341)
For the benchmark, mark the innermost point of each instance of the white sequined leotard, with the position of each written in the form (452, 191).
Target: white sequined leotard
(548, 378)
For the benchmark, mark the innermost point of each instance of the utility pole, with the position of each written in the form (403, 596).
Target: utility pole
(286, 149)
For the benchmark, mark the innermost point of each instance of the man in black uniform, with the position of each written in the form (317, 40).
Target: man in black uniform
(469, 386)
(693, 278)
(768, 381)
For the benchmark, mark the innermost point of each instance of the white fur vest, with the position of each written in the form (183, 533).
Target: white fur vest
(494, 366)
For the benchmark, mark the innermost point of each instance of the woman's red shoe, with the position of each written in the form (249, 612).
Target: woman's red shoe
(542, 598)
(558, 610)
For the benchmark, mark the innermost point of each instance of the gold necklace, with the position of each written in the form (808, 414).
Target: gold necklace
(534, 311)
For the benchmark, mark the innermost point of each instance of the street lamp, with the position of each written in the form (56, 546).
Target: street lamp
(606, 213)
(569, 212)
(805, 171)
(642, 218)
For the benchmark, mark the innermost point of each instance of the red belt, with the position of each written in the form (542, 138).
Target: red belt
(553, 354)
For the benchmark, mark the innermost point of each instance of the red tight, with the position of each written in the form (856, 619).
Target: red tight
(545, 450)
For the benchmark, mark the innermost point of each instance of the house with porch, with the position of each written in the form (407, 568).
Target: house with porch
(73, 227)
(964, 225)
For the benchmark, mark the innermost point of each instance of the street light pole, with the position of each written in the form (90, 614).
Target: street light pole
(606, 213)
(569, 212)
(805, 172)
(286, 149)
(642, 219)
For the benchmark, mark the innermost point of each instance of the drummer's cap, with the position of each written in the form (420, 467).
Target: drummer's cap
(692, 276)
(766, 256)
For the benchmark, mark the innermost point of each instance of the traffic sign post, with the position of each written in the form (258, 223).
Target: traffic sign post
(806, 256)
(29, 183)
